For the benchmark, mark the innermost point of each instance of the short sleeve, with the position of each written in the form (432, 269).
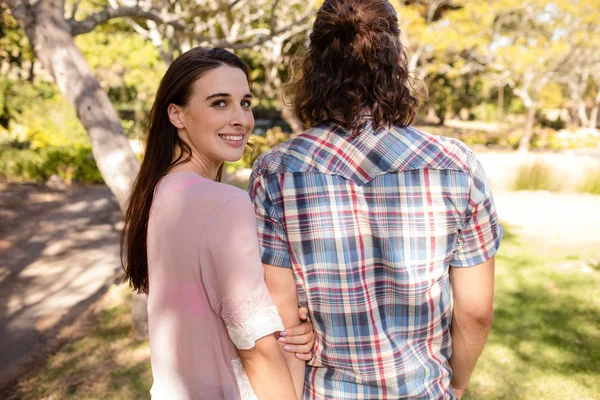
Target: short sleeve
(233, 275)
(272, 237)
(479, 238)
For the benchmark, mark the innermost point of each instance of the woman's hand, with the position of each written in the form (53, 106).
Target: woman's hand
(299, 339)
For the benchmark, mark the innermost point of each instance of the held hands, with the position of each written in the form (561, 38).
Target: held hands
(299, 339)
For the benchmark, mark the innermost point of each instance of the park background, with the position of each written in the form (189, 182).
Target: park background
(518, 81)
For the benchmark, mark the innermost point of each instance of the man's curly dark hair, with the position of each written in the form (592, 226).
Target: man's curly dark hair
(355, 65)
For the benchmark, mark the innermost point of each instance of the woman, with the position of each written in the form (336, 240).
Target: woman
(190, 243)
(387, 233)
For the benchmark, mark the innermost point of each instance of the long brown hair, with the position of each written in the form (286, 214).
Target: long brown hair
(176, 87)
(355, 64)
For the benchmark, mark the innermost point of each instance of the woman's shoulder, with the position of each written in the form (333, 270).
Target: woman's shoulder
(220, 197)
(192, 190)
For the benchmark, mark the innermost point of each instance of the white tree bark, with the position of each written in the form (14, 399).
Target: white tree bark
(593, 123)
(50, 35)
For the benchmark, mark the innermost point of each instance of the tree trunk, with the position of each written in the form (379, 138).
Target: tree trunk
(501, 101)
(50, 36)
(525, 141)
(594, 117)
(593, 123)
(582, 113)
(288, 115)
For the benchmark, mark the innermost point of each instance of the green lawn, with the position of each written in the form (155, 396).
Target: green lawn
(545, 343)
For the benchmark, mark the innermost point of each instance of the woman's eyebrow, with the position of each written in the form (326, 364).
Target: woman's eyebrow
(212, 96)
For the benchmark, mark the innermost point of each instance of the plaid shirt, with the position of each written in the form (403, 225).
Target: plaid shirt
(370, 225)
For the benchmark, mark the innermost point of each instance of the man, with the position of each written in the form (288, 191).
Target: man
(386, 233)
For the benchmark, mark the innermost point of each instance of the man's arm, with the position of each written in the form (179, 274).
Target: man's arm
(473, 295)
(267, 370)
(281, 285)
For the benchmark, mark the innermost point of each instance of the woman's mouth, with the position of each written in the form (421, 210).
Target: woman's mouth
(233, 139)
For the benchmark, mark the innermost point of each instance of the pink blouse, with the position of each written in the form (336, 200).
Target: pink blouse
(207, 292)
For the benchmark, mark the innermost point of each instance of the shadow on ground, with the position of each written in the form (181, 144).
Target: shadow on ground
(59, 252)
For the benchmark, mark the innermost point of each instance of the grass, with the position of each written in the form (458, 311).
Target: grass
(545, 342)
(105, 363)
(591, 182)
(537, 175)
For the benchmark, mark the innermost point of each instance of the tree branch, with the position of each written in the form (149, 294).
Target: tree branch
(93, 20)
(272, 21)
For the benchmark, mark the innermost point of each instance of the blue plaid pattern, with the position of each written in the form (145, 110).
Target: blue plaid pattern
(370, 225)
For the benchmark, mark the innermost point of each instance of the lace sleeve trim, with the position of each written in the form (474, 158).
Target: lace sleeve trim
(252, 318)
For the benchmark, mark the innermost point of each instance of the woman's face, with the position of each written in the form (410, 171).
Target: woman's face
(218, 119)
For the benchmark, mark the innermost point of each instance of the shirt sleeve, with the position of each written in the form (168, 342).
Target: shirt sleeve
(479, 238)
(233, 274)
(272, 237)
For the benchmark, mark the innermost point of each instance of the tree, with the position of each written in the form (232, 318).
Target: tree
(51, 38)
(446, 48)
(535, 42)
(265, 27)
(582, 74)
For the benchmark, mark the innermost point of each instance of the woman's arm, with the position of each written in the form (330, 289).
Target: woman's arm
(233, 277)
(282, 288)
(267, 370)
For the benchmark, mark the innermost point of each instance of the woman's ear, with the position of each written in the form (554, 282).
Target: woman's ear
(175, 114)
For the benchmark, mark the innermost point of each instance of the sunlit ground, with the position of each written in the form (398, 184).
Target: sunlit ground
(545, 343)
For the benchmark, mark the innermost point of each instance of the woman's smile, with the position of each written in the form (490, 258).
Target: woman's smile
(233, 139)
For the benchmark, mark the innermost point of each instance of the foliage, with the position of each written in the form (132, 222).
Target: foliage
(128, 68)
(70, 164)
(465, 51)
(16, 55)
(18, 96)
(47, 140)
(591, 182)
(537, 176)
(259, 145)
(546, 138)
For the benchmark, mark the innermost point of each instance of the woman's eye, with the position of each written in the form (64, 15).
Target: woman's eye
(246, 103)
(219, 103)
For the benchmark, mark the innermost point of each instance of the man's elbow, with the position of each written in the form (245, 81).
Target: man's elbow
(481, 318)
(485, 319)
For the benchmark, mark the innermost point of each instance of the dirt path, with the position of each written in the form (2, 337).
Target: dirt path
(58, 253)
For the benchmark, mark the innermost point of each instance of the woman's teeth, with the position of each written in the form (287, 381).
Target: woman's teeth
(232, 137)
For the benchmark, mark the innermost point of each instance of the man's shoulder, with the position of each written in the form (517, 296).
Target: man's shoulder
(429, 151)
(293, 155)
(397, 149)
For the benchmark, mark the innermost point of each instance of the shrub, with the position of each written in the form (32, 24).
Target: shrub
(70, 164)
(258, 145)
(20, 164)
(591, 182)
(537, 176)
(571, 139)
